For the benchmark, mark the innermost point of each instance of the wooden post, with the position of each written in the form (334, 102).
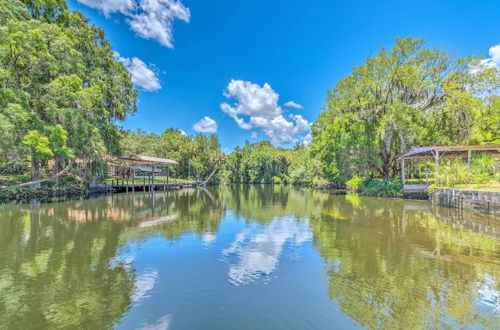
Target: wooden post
(144, 184)
(469, 156)
(437, 159)
(133, 180)
(168, 173)
(153, 176)
(403, 171)
(426, 175)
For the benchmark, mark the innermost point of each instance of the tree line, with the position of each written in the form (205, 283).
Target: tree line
(62, 90)
(62, 93)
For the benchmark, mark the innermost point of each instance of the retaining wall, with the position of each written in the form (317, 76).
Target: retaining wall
(477, 200)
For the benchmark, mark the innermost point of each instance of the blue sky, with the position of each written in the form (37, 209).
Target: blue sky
(190, 57)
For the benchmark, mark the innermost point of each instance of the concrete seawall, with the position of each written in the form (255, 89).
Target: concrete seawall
(475, 200)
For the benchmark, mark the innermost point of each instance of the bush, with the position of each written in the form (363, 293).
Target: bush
(13, 168)
(354, 184)
(481, 171)
(276, 179)
(453, 174)
(319, 182)
(388, 188)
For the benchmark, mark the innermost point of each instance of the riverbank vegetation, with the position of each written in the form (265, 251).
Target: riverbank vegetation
(62, 89)
(481, 172)
(63, 92)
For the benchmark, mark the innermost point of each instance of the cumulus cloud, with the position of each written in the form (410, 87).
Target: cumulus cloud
(494, 60)
(307, 139)
(206, 125)
(110, 6)
(150, 19)
(254, 135)
(257, 106)
(142, 75)
(291, 104)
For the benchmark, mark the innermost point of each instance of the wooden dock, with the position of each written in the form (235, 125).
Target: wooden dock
(119, 185)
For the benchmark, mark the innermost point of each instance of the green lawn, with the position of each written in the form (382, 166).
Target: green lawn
(489, 187)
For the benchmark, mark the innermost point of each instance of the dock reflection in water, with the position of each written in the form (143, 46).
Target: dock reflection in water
(247, 257)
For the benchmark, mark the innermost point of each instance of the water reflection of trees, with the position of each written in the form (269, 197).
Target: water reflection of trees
(393, 263)
(389, 262)
(58, 261)
(262, 203)
(56, 273)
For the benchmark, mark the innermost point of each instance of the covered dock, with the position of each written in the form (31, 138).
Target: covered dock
(145, 174)
(437, 152)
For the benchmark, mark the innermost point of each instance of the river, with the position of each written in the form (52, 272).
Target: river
(246, 257)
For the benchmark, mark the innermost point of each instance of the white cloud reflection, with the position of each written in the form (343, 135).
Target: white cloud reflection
(163, 323)
(256, 251)
(144, 284)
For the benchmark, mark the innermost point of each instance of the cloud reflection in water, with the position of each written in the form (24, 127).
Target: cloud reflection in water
(255, 252)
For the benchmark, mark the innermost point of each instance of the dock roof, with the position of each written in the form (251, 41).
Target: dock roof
(146, 159)
(449, 151)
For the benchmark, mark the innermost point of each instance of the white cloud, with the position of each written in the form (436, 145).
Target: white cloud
(182, 132)
(142, 75)
(494, 59)
(291, 104)
(111, 6)
(307, 139)
(150, 19)
(254, 135)
(206, 125)
(257, 106)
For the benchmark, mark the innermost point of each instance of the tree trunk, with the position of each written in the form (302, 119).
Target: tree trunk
(58, 165)
(35, 170)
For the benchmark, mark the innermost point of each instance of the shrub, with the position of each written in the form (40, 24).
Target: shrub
(453, 174)
(481, 171)
(319, 182)
(13, 168)
(388, 188)
(354, 184)
(276, 179)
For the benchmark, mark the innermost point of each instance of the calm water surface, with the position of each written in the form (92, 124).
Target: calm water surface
(258, 257)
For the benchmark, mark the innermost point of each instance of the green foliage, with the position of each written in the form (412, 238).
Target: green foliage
(13, 168)
(354, 184)
(276, 180)
(405, 96)
(38, 144)
(59, 78)
(453, 174)
(386, 188)
(58, 142)
(481, 171)
(197, 155)
(261, 162)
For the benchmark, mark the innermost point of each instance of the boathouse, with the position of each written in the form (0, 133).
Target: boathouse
(417, 154)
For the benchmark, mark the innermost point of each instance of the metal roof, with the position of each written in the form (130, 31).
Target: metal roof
(429, 152)
(146, 159)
